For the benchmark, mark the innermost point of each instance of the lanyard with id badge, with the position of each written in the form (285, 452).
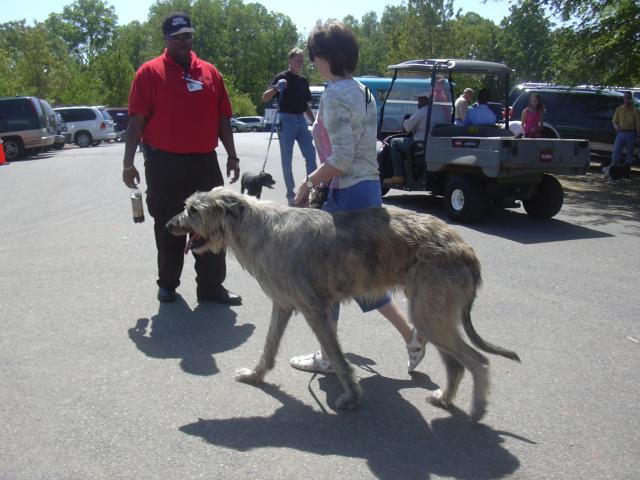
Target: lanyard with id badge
(192, 85)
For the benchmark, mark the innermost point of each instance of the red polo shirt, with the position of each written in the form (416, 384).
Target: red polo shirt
(179, 120)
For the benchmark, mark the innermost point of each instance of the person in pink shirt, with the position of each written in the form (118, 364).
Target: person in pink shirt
(532, 117)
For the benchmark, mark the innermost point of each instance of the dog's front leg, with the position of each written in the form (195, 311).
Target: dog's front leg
(279, 319)
(321, 326)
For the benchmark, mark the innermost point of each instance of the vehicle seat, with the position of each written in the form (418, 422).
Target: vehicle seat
(470, 131)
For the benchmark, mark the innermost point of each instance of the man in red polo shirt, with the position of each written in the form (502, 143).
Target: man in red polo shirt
(178, 105)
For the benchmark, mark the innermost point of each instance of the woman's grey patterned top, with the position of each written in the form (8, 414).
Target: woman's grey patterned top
(345, 132)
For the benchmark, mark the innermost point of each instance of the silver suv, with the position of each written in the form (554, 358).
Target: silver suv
(24, 126)
(257, 124)
(87, 126)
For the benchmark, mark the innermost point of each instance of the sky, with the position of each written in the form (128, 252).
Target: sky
(304, 13)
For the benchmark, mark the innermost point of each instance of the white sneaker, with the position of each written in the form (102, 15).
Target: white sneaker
(416, 351)
(312, 362)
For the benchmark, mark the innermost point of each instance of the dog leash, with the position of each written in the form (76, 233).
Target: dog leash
(273, 127)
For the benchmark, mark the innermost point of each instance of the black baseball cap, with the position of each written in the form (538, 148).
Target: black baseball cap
(177, 23)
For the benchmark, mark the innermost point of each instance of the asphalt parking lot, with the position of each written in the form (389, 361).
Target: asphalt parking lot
(98, 380)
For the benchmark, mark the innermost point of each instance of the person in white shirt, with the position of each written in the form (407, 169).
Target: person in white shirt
(416, 125)
(462, 105)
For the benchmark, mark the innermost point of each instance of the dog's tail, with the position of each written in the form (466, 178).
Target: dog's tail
(479, 342)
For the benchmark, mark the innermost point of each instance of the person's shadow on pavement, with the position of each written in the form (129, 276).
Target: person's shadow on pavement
(387, 430)
(193, 336)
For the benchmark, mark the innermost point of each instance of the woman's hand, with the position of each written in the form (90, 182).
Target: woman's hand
(302, 197)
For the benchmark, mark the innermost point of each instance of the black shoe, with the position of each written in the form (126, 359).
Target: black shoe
(166, 295)
(223, 296)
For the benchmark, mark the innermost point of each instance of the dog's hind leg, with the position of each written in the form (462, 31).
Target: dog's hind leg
(279, 319)
(455, 371)
(478, 365)
(319, 321)
(437, 313)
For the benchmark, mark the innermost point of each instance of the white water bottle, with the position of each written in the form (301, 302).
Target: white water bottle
(136, 205)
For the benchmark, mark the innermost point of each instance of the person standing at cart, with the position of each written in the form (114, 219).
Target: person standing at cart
(626, 121)
(295, 96)
(462, 105)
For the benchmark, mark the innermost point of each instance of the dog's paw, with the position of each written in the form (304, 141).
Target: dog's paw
(477, 414)
(347, 401)
(246, 375)
(437, 399)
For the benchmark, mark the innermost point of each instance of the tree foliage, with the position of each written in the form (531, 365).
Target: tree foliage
(83, 56)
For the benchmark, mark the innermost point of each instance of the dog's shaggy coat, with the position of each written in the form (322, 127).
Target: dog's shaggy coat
(306, 260)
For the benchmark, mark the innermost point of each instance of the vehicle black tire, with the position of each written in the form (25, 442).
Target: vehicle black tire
(59, 146)
(548, 199)
(254, 129)
(548, 133)
(234, 129)
(84, 139)
(13, 148)
(465, 199)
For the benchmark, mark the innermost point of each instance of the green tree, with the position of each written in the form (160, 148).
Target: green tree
(87, 26)
(474, 37)
(598, 43)
(524, 41)
(426, 29)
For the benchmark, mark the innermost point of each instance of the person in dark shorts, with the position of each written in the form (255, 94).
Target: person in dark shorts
(179, 106)
(293, 107)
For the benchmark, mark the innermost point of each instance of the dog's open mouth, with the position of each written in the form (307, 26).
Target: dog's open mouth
(194, 241)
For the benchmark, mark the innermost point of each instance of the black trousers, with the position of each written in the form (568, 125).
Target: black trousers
(171, 179)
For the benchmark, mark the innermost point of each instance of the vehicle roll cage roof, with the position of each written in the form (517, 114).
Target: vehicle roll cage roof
(441, 66)
(452, 65)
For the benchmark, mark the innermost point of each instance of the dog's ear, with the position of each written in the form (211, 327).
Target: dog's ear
(232, 205)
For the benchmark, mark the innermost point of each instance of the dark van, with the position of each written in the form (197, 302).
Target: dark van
(24, 126)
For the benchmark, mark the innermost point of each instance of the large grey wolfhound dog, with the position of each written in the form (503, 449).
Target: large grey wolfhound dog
(306, 260)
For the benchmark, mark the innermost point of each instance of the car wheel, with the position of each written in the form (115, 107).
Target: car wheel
(548, 199)
(234, 129)
(254, 129)
(13, 148)
(84, 139)
(465, 199)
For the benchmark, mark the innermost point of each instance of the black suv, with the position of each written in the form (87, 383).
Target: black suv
(577, 113)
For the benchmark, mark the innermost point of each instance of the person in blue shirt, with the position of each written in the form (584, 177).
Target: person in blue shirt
(481, 114)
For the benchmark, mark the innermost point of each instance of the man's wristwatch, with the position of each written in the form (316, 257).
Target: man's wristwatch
(233, 158)
(309, 183)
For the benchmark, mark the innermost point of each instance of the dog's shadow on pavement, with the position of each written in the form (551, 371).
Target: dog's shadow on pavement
(389, 432)
(193, 336)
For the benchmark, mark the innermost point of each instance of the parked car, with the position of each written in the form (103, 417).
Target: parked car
(53, 121)
(238, 126)
(62, 136)
(583, 113)
(24, 126)
(88, 126)
(120, 117)
(257, 123)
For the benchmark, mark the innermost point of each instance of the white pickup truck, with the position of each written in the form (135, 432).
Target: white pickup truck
(473, 167)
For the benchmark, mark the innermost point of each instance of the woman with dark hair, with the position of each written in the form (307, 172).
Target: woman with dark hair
(345, 138)
(532, 117)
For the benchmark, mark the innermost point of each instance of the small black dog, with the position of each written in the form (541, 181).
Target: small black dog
(616, 172)
(253, 183)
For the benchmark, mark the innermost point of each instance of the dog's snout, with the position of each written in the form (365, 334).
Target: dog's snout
(173, 225)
